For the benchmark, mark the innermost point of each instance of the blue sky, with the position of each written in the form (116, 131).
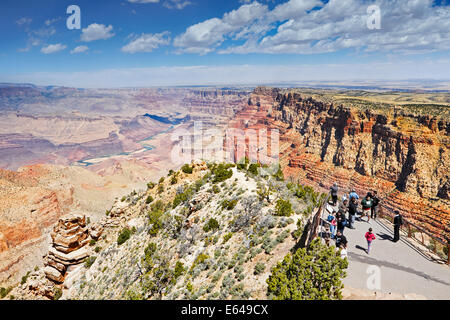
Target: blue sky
(174, 42)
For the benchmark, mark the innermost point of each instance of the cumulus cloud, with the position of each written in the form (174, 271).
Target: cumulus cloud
(311, 26)
(79, 49)
(52, 48)
(147, 42)
(96, 31)
(169, 4)
(205, 36)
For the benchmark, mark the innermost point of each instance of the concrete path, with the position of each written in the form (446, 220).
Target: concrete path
(402, 268)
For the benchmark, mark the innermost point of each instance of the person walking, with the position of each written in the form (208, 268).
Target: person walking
(352, 210)
(375, 202)
(369, 237)
(398, 222)
(332, 220)
(334, 193)
(366, 204)
(343, 206)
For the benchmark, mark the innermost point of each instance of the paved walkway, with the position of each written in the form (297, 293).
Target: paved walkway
(403, 269)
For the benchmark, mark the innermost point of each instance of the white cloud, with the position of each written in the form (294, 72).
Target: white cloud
(24, 20)
(205, 36)
(143, 1)
(406, 27)
(96, 32)
(176, 4)
(79, 49)
(52, 48)
(147, 42)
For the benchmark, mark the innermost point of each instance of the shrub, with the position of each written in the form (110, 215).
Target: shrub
(149, 200)
(97, 249)
(124, 235)
(216, 189)
(92, 242)
(212, 224)
(4, 291)
(160, 189)
(202, 257)
(25, 278)
(186, 168)
(253, 168)
(161, 180)
(221, 173)
(89, 261)
(174, 180)
(149, 256)
(179, 198)
(123, 199)
(227, 237)
(312, 273)
(259, 268)
(150, 185)
(283, 208)
(229, 204)
(57, 294)
(179, 269)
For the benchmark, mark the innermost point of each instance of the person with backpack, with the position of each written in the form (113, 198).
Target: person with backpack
(375, 202)
(369, 237)
(366, 204)
(334, 193)
(352, 210)
(398, 222)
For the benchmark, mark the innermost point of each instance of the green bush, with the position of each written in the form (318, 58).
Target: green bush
(179, 198)
(174, 180)
(92, 242)
(124, 235)
(25, 278)
(161, 180)
(202, 257)
(89, 261)
(4, 291)
(57, 294)
(216, 189)
(123, 199)
(227, 237)
(312, 273)
(97, 249)
(283, 208)
(186, 168)
(150, 185)
(229, 204)
(221, 172)
(259, 268)
(212, 224)
(149, 200)
(253, 168)
(179, 269)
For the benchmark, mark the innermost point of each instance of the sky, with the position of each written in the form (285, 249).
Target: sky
(126, 43)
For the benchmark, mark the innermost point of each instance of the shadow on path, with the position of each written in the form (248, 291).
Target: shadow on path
(360, 248)
(372, 261)
(384, 236)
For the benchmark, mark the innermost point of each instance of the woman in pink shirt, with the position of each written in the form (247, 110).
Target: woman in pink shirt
(369, 237)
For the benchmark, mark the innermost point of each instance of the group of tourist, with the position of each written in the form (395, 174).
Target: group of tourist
(338, 219)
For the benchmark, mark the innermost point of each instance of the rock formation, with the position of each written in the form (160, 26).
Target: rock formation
(69, 238)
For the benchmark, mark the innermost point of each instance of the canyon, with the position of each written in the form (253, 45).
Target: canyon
(75, 151)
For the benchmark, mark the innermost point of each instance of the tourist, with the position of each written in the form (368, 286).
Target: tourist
(332, 220)
(369, 237)
(366, 204)
(352, 210)
(341, 221)
(344, 206)
(343, 252)
(353, 194)
(327, 234)
(341, 240)
(398, 222)
(375, 202)
(334, 193)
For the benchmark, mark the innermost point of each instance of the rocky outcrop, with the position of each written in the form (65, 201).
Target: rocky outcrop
(363, 148)
(69, 238)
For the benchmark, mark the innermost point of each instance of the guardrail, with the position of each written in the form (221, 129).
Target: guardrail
(386, 213)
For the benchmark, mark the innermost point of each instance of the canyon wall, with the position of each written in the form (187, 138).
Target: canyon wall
(402, 155)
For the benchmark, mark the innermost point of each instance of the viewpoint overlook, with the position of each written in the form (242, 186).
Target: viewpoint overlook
(142, 194)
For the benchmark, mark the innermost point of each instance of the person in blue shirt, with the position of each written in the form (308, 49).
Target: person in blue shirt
(353, 194)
